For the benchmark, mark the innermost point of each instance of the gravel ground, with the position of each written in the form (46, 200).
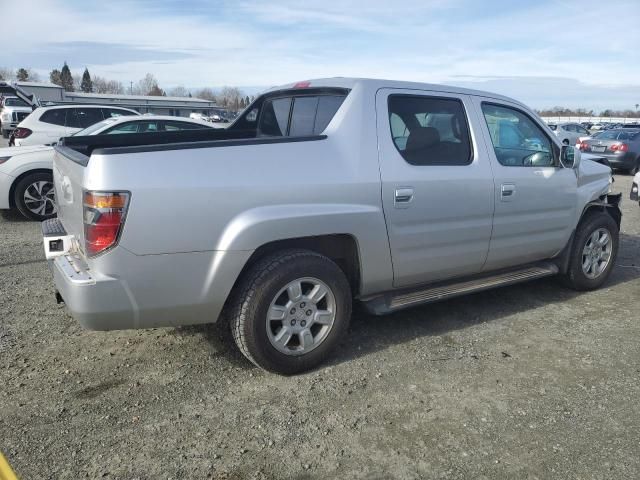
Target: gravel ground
(528, 381)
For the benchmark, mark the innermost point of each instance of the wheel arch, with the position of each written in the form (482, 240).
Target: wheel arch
(342, 248)
(12, 189)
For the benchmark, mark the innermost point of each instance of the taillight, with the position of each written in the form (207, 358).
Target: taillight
(584, 146)
(104, 214)
(21, 132)
(623, 147)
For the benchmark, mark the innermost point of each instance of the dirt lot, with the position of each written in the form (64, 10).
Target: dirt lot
(530, 381)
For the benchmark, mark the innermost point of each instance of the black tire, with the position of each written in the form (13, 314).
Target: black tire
(252, 297)
(19, 196)
(633, 170)
(5, 133)
(575, 277)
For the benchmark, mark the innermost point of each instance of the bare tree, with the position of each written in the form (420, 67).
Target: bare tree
(206, 94)
(229, 97)
(145, 85)
(102, 85)
(178, 91)
(6, 74)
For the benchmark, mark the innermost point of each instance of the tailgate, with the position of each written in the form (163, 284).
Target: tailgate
(68, 175)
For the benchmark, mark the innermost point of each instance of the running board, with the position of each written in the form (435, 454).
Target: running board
(393, 301)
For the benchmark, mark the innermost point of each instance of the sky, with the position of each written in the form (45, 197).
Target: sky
(573, 53)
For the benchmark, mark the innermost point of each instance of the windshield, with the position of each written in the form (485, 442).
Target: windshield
(94, 128)
(15, 102)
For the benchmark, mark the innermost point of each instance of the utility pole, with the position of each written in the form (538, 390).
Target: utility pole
(131, 88)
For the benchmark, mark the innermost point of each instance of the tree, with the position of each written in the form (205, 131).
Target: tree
(6, 74)
(230, 97)
(206, 94)
(247, 101)
(145, 85)
(66, 79)
(87, 84)
(156, 91)
(102, 85)
(178, 91)
(22, 75)
(55, 77)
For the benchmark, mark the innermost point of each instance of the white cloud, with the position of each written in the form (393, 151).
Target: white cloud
(257, 43)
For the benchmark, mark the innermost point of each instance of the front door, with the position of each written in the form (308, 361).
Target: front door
(437, 185)
(535, 197)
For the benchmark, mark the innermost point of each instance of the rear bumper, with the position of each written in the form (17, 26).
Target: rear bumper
(120, 290)
(102, 304)
(625, 161)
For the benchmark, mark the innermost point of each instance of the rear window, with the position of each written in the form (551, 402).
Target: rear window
(298, 116)
(55, 116)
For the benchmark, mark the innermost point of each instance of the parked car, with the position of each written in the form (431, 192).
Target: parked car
(12, 111)
(322, 192)
(26, 180)
(571, 133)
(635, 189)
(47, 124)
(621, 148)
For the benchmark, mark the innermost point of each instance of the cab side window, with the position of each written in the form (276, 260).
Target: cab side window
(430, 130)
(517, 140)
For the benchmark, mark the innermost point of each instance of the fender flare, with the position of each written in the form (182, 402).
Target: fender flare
(610, 204)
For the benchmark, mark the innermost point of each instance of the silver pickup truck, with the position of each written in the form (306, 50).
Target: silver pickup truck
(394, 194)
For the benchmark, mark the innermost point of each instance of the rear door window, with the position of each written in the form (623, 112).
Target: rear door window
(430, 130)
(83, 117)
(55, 116)
(115, 112)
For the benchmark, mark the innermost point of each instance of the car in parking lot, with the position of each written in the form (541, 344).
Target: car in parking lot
(12, 111)
(26, 181)
(45, 125)
(570, 133)
(621, 148)
(321, 192)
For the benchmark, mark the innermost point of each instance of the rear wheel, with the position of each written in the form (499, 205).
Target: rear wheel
(290, 311)
(636, 168)
(595, 248)
(34, 196)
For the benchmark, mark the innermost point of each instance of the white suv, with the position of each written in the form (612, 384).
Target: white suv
(12, 111)
(47, 124)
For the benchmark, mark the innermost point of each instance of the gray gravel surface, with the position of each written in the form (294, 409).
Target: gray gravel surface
(529, 381)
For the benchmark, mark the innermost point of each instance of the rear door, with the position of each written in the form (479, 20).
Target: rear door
(535, 197)
(437, 185)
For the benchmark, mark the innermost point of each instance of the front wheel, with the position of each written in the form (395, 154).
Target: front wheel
(34, 196)
(594, 252)
(290, 311)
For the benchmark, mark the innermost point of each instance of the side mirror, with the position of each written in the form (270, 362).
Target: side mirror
(570, 157)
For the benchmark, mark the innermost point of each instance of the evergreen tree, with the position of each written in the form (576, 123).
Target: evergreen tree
(55, 77)
(66, 79)
(22, 75)
(87, 84)
(247, 101)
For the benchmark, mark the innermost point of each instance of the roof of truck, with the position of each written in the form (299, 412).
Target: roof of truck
(375, 83)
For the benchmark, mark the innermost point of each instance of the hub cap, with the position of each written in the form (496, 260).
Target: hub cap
(39, 198)
(301, 316)
(596, 253)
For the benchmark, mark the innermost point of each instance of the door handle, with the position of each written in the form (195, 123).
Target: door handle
(403, 197)
(507, 191)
